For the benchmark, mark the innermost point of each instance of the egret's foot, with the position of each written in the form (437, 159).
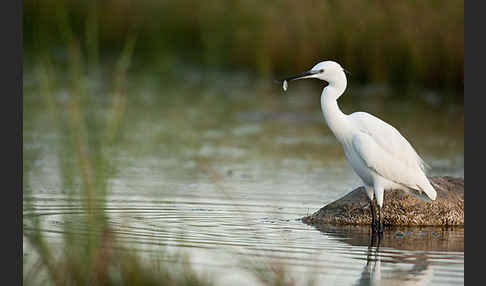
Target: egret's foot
(376, 227)
(380, 227)
(376, 236)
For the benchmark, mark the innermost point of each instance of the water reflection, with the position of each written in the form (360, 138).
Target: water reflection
(420, 274)
(402, 255)
(427, 238)
(230, 170)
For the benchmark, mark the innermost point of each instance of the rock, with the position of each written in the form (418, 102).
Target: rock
(399, 208)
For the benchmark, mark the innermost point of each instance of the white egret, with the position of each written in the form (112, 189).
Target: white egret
(376, 151)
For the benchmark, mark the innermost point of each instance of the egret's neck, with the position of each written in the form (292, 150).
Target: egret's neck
(335, 118)
(339, 82)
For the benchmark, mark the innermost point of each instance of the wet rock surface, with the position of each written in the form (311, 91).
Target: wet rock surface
(399, 208)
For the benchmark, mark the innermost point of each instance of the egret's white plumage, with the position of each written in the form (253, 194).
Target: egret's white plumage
(376, 151)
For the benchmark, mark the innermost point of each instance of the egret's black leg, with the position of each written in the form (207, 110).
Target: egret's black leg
(380, 236)
(373, 216)
(380, 220)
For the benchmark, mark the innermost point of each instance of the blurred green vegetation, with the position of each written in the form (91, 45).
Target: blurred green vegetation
(401, 43)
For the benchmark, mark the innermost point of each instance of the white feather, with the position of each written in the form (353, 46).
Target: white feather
(389, 154)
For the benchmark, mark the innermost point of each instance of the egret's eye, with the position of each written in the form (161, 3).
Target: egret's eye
(321, 71)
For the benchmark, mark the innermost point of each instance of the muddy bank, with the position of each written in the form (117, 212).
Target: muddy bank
(399, 208)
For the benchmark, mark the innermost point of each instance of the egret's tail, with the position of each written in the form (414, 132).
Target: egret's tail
(425, 192)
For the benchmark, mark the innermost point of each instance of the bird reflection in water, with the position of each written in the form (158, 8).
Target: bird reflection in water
(419, 274)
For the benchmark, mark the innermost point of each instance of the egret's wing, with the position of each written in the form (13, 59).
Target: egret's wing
(388, 153)
(389, 140)
(381, 161)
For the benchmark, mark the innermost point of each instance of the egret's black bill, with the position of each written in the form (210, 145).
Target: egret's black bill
(304, 74)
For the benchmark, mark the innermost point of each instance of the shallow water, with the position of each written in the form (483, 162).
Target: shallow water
(223, 168)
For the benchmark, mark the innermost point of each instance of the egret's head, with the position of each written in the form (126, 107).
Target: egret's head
(329, 71)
